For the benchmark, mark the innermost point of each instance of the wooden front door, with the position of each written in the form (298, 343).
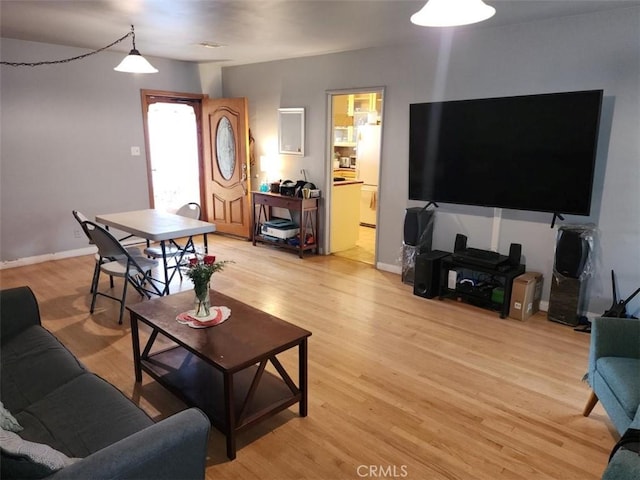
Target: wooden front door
(226, 180)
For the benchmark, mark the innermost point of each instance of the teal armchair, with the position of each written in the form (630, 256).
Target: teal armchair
(614, 369)
(614, 377)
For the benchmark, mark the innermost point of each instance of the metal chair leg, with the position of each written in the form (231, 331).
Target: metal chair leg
(124, 297)
(95, 292)
(94, 279)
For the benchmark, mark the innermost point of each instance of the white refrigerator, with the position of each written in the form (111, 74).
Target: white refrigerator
(367, 170)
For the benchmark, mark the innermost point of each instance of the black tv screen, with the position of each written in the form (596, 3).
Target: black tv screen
(534, 152)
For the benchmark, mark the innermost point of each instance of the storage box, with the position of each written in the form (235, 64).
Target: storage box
(526, 292)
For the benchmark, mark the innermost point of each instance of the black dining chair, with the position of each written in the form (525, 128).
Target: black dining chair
(134, 270)
(134, 251)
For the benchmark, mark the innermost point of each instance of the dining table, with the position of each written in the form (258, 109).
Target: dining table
(158, 226)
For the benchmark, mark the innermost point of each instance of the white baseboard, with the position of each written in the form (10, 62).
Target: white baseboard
(21, 262)
(386, 267)
(78, 252)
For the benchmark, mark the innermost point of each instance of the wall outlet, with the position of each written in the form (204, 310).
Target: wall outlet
(77, 233)
(135, 151)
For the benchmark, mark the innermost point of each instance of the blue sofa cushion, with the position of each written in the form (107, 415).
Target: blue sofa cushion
(622, 375)
(34, 350)
(66, 419)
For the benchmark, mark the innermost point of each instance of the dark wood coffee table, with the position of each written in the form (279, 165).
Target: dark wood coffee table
(221, 369)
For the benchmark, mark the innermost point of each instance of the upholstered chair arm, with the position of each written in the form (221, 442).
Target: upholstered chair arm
(174, 448)
(18, 310)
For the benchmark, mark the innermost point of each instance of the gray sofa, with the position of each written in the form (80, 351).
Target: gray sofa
(57, 402)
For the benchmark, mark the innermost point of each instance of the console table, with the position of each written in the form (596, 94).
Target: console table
(501, 275)
(305, 208)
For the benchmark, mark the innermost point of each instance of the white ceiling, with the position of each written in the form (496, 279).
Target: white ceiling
(249, 30)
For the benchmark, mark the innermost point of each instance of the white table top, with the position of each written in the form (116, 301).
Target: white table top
(156, 225)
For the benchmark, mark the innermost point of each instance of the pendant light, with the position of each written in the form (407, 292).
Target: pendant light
(451, 13)
(134, 62)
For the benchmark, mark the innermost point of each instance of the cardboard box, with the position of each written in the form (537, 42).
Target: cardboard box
(525, 295)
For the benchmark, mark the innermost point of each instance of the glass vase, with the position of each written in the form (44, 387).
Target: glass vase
(202, 301)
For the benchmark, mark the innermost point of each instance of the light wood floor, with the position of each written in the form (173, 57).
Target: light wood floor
(399, 385)
(365, 249)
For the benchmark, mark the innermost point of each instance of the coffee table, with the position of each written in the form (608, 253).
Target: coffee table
(221, 369)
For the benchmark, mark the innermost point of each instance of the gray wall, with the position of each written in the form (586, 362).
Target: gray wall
(67, 131)
(597, 51)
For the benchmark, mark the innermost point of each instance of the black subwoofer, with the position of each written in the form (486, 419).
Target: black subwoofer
(427, 274)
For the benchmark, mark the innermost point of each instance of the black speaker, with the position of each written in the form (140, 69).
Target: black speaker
(427, 274)
(418, 228)
(572, 251)
(515, 253)
(566, 301)
(461, 243)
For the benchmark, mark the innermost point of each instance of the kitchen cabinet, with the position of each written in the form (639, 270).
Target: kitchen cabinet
(352, 109)
(346, 173)
(344, 136)
(345, 215)
(363, 102)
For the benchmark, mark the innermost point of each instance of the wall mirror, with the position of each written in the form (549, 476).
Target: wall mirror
(291, 131)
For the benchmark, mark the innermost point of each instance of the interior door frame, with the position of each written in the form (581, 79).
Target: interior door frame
(148, 97)
(329, 161)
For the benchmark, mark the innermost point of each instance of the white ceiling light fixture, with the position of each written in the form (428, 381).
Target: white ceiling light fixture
(134, 62)
(451, 13)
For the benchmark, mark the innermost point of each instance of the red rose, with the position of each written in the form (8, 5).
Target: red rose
(193, 262)
(209, 259)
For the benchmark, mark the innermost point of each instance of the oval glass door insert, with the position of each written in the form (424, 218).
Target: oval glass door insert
(225, 148)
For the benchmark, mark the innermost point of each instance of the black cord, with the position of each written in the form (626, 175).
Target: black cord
(67, 60)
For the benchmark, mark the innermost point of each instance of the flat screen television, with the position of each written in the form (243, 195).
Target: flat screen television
(533, 152)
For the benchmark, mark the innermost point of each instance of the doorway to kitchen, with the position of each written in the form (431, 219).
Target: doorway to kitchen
(354, 152)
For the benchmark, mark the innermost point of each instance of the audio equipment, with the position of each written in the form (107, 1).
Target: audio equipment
(572, 251)
(460, 244)
(566, 300)
(427, 274)
(418, 228)
(515, 252)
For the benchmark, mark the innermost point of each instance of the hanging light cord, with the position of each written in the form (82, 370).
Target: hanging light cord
(79, 57)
